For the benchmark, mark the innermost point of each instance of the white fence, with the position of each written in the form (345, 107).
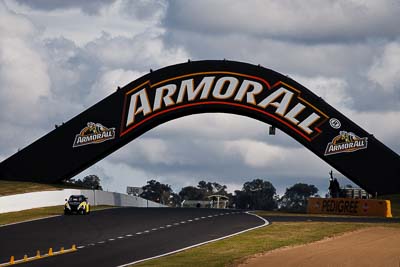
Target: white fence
(53, 198)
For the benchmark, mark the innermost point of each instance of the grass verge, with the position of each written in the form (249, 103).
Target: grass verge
(16, 187)
(25, 215)
(234, 250)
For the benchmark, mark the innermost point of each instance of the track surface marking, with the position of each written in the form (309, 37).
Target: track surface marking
(118, 236)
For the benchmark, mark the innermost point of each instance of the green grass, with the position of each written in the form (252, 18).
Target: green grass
(232, 251)
(19, 216)
(16, 187)
(282, 213)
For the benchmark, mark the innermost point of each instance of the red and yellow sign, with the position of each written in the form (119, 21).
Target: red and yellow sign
(350, 206)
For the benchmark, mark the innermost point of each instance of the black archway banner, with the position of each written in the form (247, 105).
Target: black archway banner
(203, 87)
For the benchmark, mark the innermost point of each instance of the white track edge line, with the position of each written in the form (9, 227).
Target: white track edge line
(266, 223)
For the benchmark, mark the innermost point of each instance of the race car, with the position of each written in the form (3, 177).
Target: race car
(77, 204)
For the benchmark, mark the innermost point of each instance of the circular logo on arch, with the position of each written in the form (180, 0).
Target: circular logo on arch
(335, 123)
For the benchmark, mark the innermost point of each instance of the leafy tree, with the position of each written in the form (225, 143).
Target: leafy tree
(295, 197)
(203, 185)
(90, 181)
(156, 191)
(257, 194)
(174, 200)
(213, 188)
(202, 191)
(241, 199)
(191, 193)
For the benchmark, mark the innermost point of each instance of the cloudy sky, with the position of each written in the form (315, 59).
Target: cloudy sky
(59, 57)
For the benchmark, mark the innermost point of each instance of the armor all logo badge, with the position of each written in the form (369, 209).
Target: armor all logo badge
(346, 142)
(93, 133)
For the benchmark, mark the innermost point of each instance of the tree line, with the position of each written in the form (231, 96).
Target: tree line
(257, 194)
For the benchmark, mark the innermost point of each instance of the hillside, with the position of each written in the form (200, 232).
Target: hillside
(16, 187)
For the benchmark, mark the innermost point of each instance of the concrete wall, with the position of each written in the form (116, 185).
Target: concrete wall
(53, 198)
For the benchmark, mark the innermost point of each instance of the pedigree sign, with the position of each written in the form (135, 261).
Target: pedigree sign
(350, 206)
(279, 101)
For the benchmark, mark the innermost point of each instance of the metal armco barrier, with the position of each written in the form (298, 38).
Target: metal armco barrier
(350, 206)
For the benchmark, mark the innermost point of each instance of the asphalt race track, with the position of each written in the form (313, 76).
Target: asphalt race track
(119, 236)
(115, 237)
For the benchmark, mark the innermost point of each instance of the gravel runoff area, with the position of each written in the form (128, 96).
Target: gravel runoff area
(375, 246)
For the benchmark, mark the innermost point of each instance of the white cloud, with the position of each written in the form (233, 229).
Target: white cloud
(309, 21)
(91, 7)
(22, 27)
(23, 71)
(216, 126)
(385, 126)
(142, 51)
(108, 82)
(116, 18)
(307, 59)
(155, 151)
(333, 90)
(275, 159)
(46, 81)
(116, 177)
(255, 154)
(386, 68)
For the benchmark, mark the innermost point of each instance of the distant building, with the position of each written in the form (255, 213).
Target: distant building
(219, 201)
(134, 191)
(355, 193)
(214, 202)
